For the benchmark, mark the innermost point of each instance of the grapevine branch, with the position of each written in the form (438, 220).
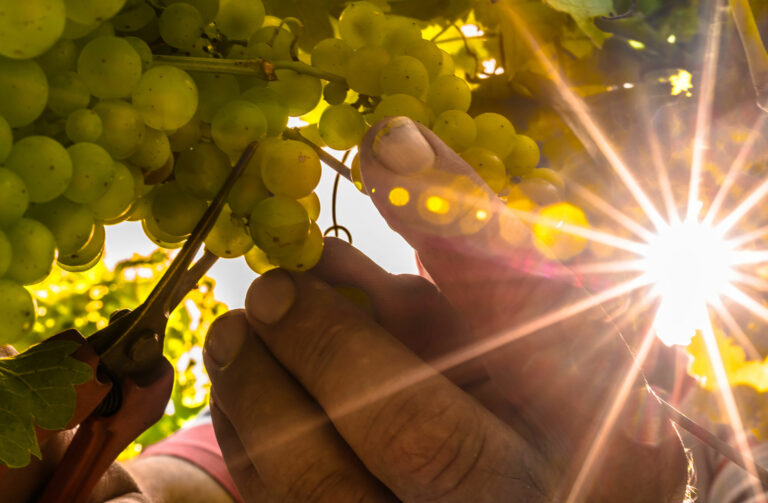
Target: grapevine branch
(328, 159)
(754, 48)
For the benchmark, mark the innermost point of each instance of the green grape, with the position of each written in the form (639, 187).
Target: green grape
(29, 28)
(202, 170)
(237, 51)
(403, 104)
(271, 105)
(110, 67)
(61, 57)
(362, 23)
(449, 92)
(356, 175)
(174, 211)
(180, 25)
(115, 202)
(153, 150)
(166, 97)
(456, 128)
(187, 136)
(14, 198)
(448, 66)
(92, 172)
(143, 50)
(331, 55)
(239, 19)
(524, 156)
(87, 256)
(258, 261)
(83, 125)
(122, 128)
(66, 93)
(139, 186)
(229, 237)
(404, 75)
(291, 168)
(429, 54)
(270, 42)
(495, 133)
(92, 11)
(237, 124)
(311, 203)
(364, 69)
(104, 29)
(207, 8)
(5, 253)
(160, 238)
(23, 91)
(250, 189)
(140, 208)
(335, 93)
(305, 255)
(301, 93)
(74, 30)
(400, 33)
(6, 139)
(17, 310)
(161, 174)
(33, 251)
(278, 222)
(214, 90)
(488, 165)
(71, 223)
(134, 18)
(44, 166)
(149, 34)
(341, 127)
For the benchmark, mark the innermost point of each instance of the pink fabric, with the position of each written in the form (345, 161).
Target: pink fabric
(197, 445)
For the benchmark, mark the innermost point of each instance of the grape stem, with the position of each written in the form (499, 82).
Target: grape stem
(260, 68)
(754, 48)
(328, 159)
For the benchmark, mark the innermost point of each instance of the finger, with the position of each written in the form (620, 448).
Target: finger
(289, 440)
(414, 430)
(117, 483)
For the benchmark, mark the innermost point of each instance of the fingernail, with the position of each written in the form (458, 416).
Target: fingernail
(226, 337)
(270, 296)
(401, 147)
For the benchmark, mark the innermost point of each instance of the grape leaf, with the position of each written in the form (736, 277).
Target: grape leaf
(36, 388)
(584, 12)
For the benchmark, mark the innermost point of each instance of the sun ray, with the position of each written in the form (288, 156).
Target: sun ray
(747, 302)
(609, 210)
(743, 208)
(751, 281)
(591, 461)
(705, 105)
(735, 330)
(750, 257)
(578, 106)
(747, 238)
(606, 267)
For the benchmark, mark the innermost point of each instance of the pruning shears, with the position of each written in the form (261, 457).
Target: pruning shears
(132, 379)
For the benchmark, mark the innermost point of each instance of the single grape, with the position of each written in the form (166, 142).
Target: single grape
(335, 93)
(250, 189)
(271, 42)
(207, 8)
(356, 174)
(403, 104)
(134, 18)
(29, 28)
(187, 136)
(143, 50)
(555, 243)
(258, 261)
(214, 90)
(180, 25)
(229, 237)
(44, 166)
(311, 203)
(92, 11)
(83, 125)
(362, 23)
(153, 150)
(400, 33)
(122, 128)
(87, 256)
(549, 175)
(449, 92)
(271, 105)
(202, 170)
(174, 211)
(291, 168)
(92, 172)
(278, 222)
(166, 97)
(33, 251)
(303, 256)
(110, 67)
(524, 156)
(540, 191)
(160, 238)
(238, 19)
(75, 31)
(71, 223)
(341, 127)
(6, 139)
(237, 124)
(61, 57)
(14, 198)
(495, 133)
(104, 29)
(66, 93)
(160, 174)
(488, 165)
(117, 199)
(301, 93)
(456, 128)
(5, 253)
(448, 66)
(364, 69)
(331, 55)
(17, 310)
(429, 54)
(404, 75)
(23, 91)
